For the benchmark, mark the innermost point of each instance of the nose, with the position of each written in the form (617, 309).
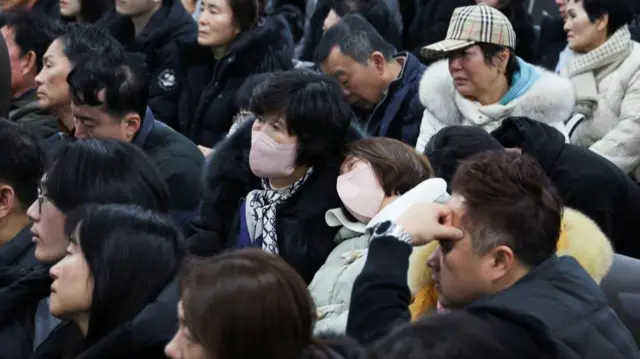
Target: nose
(434, 259)
(79, 131)
(33, 212)
(455, 64)
(55, 271)
(171, 349)
(40, 78)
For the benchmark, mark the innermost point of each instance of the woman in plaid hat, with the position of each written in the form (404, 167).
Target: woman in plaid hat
(481, 81)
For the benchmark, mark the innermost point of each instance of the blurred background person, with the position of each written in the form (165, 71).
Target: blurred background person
(604, 67)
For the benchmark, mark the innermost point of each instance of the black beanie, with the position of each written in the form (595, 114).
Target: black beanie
(455, 143)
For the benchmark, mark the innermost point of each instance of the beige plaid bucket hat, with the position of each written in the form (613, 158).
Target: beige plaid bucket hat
(470, 25)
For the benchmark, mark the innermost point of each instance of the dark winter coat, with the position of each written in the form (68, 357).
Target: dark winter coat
(206, 103)
(557, 297)
(26, 112)
(623, 292)
(584, 180)
(399, 114)
(431, 23)
(143, 337)
(551, 42)
(304, 239)
(21, 290)
(522, 22)
(170, 24)
(179, 162)
(50, 8)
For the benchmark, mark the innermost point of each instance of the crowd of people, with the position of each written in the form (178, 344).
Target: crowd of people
(322, 179)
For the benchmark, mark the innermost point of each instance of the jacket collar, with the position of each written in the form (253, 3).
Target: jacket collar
(16, 249)
(148, 124)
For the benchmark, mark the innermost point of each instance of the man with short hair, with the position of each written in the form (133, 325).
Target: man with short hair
(21, 166)
(109, 100)
(28, 35)
(498, 237)
(381, 86)
(153, 27)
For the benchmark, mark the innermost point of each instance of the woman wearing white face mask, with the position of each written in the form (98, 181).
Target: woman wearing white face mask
(271, 182)
(604, 66)
(375, 172)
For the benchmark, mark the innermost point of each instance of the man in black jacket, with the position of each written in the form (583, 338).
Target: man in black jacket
(498, 236)
(153, 28)
(115, 106)
(380, 86)
(584, 180)
(21, 166)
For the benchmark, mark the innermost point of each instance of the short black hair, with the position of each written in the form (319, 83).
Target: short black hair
(356, 38)
(21, 162)
(125, 84)
(82, 41)
(453, 144)
(619, 11)
(103, 171)
(314, 109)
(32, 32)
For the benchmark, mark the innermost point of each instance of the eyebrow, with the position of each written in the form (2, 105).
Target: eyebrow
(85, 119)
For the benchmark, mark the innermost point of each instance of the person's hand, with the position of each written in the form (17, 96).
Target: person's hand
(429, 222)
(205, 150)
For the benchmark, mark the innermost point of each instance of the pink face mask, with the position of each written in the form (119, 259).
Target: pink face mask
(268, 158)
(360, 192)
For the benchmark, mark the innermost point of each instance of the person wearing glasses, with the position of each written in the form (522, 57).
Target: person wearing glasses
(78, 173)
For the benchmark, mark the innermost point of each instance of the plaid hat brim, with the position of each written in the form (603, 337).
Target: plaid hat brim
(443, 47)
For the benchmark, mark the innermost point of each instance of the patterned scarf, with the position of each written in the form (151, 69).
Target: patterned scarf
(261, 208)
(582, 68)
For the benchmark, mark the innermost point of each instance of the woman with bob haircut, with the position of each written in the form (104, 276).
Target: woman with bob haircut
(247, 304)
(604, 66)
(109, 289)
(374, 173)
(270, 183)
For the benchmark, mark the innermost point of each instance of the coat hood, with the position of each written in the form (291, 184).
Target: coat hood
(580, 238)
(550, 99)
(535, 138)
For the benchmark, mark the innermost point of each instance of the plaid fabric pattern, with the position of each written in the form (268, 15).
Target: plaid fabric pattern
(617, 47)
(473, 24)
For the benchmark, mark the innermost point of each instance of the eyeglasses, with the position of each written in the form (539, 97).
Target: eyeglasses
(41, 199)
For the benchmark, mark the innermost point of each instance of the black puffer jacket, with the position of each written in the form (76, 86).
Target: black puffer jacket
(170, 24)
(206, 103)
(522, 22)
(304, 238)
(143, 337)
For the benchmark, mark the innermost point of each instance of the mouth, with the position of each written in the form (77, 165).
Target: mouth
(34, 237)
(52, 289)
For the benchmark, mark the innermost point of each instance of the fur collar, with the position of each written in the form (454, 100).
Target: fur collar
(580, 238)
(550, 100)
(266, 47)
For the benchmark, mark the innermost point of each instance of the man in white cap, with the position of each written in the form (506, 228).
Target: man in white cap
(482, 81)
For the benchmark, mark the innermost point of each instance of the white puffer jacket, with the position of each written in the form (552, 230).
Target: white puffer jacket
(613, 131)
(550, 100)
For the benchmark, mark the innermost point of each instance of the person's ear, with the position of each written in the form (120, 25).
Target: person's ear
(28, 63)
(378, 61)
(502, 259)
(503, 58)
(7, 200)
(130, 124)
(602, 23)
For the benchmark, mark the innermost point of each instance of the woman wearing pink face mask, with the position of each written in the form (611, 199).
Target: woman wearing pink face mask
(375, 172)
(270, 183)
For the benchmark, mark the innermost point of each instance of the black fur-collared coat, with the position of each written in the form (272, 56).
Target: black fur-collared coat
(208, 87)
(304, 238)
